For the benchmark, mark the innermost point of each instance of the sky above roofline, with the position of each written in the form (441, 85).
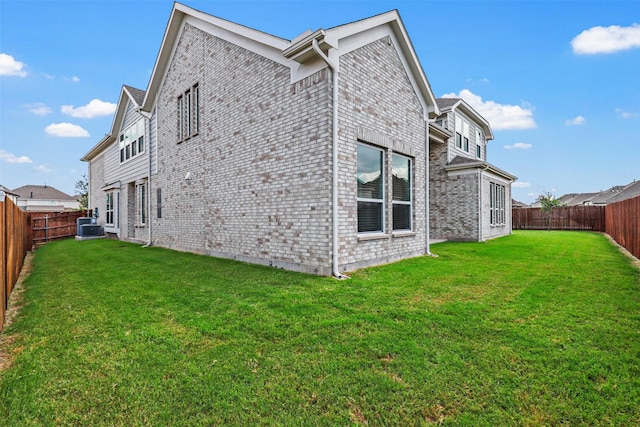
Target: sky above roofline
(557, 80)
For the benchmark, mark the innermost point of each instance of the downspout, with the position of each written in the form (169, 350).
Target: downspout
(334, 202)
(480, 205)
(427, 227)
(148, 148)
(480, 225)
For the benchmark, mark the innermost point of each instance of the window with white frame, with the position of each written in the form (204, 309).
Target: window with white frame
(370, 189)
(458, 132)
(497, 204)
(131, 141)
(479, 143)
(189, 113)
(401, 189)
(141, 203)
(109, 205)
(465, 136)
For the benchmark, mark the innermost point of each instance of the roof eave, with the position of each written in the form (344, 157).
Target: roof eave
(98, 148)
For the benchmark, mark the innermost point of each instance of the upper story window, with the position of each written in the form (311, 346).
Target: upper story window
(479, 143)
(465, 136)
(189, 113)
(131, 141)
(462, 134)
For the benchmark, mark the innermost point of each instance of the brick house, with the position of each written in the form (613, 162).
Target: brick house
(307, 154)
(470, 199)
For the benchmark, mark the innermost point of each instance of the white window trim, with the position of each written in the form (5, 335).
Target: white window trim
(141, 203)
(404, 202)
(109, 208)
(380, 201)
(188, 113)
(125, 146)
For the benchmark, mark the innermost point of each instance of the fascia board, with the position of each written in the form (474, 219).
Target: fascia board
(98, 148)
(486, 167)
(475, 116)
(118, 117)
(439, 134)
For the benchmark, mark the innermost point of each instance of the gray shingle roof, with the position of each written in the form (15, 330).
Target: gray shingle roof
(138, 95)
(41, 192)
(444, 103)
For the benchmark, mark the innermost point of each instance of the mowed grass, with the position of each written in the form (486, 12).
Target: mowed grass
(537, 328)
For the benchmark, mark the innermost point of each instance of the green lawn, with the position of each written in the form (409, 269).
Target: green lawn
(538, 328)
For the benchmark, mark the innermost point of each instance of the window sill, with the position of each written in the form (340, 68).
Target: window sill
(405, 233)
(373, 236)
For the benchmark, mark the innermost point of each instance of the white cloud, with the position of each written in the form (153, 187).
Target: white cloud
(39, 109)
(519, 184)
(95, 108)
(518, 145)
(500, 116)
(75, 79)
(8, 157)
(10, 67)
(606, 39)
(626, 114)
(66, 130)
(43, 168)
(576, 122)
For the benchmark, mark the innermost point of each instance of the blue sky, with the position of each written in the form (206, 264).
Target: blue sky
(559, 81)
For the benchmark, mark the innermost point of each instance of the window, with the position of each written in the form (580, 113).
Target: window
(372, 174)
(479, 142)
(189, 113)
(465, 136)
(370, 189)
(159, 201)
(109, 209)
(131, 141)
(401, 185)
(497, 204)
(141, 204)
(458, 140)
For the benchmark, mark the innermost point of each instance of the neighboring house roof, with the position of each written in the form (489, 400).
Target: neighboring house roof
(612, 195)
(517, 204)
(127, 93)
(41, 192)
(450, 104)
(628, 192)
(461, 163)
(7, 191)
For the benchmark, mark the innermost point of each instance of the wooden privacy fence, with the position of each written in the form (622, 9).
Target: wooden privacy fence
(623, 224)
(54, 226)
(566, 218)
(15, 241)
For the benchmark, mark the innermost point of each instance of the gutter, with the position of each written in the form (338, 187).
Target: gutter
(334, 202)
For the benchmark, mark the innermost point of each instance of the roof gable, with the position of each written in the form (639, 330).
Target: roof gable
(453, 104)
(297, 54)
(127, 94)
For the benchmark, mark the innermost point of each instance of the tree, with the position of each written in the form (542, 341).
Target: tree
(548, 203)
(82, 187)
